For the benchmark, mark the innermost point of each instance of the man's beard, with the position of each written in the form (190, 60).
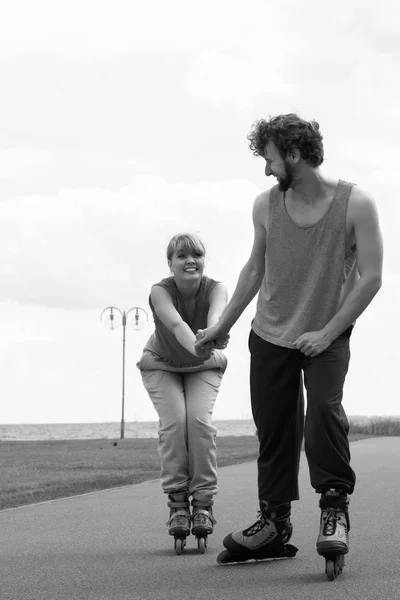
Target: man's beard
(287, 181)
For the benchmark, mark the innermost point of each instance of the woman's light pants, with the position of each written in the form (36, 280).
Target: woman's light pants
(187, 439)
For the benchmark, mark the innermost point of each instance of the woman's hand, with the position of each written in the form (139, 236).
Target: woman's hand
(205, 350)
(211, 337)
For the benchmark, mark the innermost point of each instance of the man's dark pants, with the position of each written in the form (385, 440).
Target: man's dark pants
(276, 385)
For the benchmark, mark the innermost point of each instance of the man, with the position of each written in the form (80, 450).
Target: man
(316, 262)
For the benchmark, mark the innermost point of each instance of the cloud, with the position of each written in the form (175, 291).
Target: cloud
(24, 163)
(123, 125)
(226, 78)
(86, 246)
(86, 27)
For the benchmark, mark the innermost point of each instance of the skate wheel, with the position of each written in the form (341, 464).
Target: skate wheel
(179, 545)
(330, 570)
(334, 567)
(202, 545)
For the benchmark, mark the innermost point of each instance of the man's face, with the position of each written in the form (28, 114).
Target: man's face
(280, 168)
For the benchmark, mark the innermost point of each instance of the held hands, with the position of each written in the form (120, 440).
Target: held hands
(312, 343)
(221, 341)
(209, 339)
(204, 351)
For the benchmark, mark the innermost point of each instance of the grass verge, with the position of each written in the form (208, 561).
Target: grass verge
(45, 470)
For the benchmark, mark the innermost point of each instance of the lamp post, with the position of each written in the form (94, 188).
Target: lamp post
(137, 324)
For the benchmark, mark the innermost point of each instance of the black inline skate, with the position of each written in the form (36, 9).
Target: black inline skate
(333, 538)
(267, 538)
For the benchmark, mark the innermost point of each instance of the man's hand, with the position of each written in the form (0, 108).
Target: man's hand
(204, 351)
(313, 343)
(222, 341)
(211, 337)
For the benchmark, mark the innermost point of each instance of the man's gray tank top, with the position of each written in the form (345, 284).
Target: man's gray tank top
(309, 270)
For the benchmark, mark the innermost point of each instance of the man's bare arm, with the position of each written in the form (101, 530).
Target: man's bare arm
(218, 302)
(250, 277)
(369, 249)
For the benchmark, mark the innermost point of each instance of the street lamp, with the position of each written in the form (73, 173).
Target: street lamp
(137, 324)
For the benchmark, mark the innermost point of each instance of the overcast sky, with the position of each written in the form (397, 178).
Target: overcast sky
(125, 122)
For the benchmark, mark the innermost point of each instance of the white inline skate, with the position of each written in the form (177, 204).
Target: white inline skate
(333, 538)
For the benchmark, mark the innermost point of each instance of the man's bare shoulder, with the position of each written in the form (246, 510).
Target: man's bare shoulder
(263, 197)
(360, 196)
(261, 206)
(361, 204)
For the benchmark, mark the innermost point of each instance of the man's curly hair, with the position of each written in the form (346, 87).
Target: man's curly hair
(288, 132)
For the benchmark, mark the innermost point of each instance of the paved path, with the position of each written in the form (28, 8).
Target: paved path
(113, 545)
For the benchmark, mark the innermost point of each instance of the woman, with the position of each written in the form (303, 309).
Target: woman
(183, 386)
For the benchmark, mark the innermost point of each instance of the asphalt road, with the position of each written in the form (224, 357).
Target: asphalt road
(114, 545)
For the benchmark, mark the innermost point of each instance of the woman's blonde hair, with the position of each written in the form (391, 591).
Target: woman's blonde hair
(186, 242)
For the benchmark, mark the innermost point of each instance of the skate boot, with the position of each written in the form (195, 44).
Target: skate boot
(333, 538)
(202, 522)
(179, 519)
(267, 538)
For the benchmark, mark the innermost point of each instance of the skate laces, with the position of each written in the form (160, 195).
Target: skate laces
(262, 520)
(273, 514)
(331, 519)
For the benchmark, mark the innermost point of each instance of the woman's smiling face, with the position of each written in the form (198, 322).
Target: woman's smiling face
(187, 264)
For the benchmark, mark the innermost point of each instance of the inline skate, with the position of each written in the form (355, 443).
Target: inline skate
(333, 538)
(202, 522)
(179, 520)
(267, 538)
